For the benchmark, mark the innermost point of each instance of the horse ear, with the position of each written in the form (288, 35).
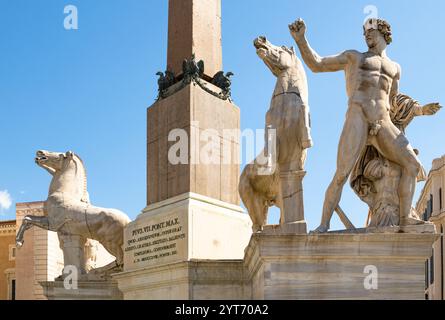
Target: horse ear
(289, 50)
(69, 154)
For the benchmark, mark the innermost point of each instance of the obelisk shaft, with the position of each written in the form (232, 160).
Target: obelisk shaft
(194, 26)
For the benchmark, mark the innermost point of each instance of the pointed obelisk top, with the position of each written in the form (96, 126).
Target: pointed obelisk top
(194, 27)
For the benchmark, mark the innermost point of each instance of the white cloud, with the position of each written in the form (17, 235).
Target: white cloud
(5, 200)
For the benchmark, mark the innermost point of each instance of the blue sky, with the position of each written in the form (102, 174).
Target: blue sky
(87, 90)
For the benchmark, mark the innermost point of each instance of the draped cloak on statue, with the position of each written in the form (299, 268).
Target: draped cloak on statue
(402, 113)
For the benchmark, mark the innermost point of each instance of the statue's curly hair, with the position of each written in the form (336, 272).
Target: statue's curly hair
(383, 26)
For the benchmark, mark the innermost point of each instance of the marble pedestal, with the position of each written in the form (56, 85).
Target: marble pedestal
(338, 266)
(86, 290)
(362, 266)
(163, 245)
(186, 280)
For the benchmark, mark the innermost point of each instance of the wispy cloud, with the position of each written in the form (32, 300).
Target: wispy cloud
(5, 200)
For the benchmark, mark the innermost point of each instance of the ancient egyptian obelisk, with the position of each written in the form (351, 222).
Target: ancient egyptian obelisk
(192, 208)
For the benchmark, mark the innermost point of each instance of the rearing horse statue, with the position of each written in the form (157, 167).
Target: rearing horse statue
(279, 182)
(70, 214)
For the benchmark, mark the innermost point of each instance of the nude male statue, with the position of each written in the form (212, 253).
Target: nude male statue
(372, 80)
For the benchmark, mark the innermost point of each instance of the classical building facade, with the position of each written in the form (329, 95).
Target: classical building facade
(431, 205)
(7, 260)
(40, 259)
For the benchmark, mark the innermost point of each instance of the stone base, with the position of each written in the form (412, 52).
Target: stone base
(185, 228)
(188, 280)
(289, 266)
(288, 228)
(162, 247)
(338, 266)
(86, 290)
(419, 229)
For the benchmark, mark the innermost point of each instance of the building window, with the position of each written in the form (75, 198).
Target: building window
(440, 198)
(431, 206)
(10, 280)
(12, 252)
(432, 269)
(12, 293)
(441, 261)
(426, 275)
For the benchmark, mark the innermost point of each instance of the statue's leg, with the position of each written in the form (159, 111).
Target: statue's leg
(352, 141)
(250, 198)
(258, 209)
(28, 222)
(73, 247)
(395, 147)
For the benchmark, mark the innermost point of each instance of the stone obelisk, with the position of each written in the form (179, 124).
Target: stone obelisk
(194, 27)
(192, 210)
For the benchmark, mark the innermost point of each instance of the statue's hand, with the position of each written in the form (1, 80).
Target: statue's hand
(431, 109)
(298, 29)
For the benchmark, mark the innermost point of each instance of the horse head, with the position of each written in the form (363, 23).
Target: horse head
(67, 170)
(277, 59)
(53, 160)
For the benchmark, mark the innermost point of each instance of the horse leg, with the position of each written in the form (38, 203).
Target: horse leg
(254, 204)
(28, 222)
(73, 247)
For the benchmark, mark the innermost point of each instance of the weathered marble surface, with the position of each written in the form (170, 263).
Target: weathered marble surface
(290, 266)
(372, 82)
(183, 228)
(186, 280)
(275, 177)
(86, 290)
(70, 214)
(332, 266)
(376, 179)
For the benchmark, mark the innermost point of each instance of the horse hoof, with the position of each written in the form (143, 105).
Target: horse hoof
(19, 244)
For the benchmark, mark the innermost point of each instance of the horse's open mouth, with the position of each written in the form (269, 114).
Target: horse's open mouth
(260, 43)
(41, 158)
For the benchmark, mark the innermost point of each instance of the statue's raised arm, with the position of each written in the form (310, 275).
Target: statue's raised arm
(312, 59)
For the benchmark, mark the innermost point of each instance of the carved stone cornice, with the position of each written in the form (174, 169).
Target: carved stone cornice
(30, 208)
(7, 228)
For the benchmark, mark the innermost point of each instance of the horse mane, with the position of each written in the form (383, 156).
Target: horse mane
(79, 164)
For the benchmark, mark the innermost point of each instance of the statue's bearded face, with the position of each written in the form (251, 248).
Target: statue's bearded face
(373, 38)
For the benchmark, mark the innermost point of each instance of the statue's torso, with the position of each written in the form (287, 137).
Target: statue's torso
(369, 80)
